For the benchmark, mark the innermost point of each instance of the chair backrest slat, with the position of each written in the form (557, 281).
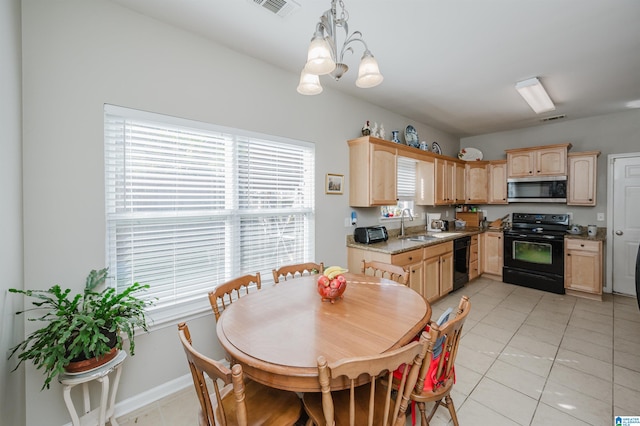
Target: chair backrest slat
(201, 366)
(373, 368)
(451, 332)
(225, 294)
(296, 270)
(386, 270)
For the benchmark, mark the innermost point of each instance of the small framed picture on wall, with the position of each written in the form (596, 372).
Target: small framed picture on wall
(334, 183)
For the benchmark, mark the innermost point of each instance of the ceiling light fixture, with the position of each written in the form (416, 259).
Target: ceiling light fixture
(323, 56)
(535, 95)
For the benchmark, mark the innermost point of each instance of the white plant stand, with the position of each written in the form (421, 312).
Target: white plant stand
(105, 409)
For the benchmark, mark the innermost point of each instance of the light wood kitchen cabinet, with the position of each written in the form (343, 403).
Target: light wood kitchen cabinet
(477, 182)
(474, 269)
(549, 160)
(459, 182)
(492, 253)
(497, 176)
(425, 182)
(583, 268)
(372, 172)
(449, 182)
(581, 182)
(430, 268)
(438, 270)
(411, 261)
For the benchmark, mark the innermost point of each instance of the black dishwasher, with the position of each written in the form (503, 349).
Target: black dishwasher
(461, 250)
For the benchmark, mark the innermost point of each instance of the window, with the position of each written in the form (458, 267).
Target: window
(405, 188)
(191, 205)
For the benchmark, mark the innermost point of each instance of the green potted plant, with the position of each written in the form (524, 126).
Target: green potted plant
(80, 326)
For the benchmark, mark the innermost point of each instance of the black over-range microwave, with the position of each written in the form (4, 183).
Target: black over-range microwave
(537, 189)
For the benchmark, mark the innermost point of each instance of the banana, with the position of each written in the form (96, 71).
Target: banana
(333, 271)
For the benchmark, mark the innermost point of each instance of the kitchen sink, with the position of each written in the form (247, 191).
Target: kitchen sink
(422, 238)
(445, 234)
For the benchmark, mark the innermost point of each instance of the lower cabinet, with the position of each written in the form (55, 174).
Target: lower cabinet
(438, 270)
(583, 268)
(492, 253)
(430, 268)
(474, 263)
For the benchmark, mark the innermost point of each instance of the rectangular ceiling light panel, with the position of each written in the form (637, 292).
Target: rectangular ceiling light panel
(535, 95)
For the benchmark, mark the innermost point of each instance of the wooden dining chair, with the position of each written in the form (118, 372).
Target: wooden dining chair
(437, 374)
(386, 270)
(240, 401)
(373, 402)
(292, 271)
(226, 293)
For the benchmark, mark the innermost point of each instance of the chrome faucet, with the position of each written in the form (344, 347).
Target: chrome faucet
(402, 234)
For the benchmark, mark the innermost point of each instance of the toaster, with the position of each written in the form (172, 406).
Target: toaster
(370, 234)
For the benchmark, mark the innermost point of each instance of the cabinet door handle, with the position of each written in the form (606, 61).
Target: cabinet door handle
(568, 254)
(619, 232)
(410, 258)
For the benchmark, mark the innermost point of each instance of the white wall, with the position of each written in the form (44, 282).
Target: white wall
(609, 134)
(11, 327)
(81, 54)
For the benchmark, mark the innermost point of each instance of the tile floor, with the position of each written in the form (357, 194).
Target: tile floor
(526, 358)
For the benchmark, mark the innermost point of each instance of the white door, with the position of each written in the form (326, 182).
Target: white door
(624, 214)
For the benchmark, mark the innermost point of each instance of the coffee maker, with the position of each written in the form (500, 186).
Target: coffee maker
(434, 223)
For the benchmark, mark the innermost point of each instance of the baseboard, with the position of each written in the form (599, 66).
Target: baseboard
(152, 395)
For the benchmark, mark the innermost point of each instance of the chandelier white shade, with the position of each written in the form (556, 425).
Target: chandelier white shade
(533, 92)
(309, 84)
(324, 57)
(368, 73)
(319, 61)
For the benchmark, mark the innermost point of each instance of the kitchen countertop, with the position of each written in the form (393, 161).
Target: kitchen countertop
(601, 235)
(394, 245)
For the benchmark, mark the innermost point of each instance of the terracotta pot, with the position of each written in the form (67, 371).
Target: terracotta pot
(90, 364)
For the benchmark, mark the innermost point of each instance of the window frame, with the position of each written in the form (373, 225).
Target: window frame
(199, 304)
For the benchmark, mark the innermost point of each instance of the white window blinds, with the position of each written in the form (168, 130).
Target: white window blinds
(191, 205)
(406, 178)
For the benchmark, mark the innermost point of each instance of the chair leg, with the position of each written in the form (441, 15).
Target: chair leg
(423, 415)
(433, 411)
(452, 410)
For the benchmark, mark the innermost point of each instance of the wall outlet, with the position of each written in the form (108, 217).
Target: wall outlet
(570, 214)
(600, 217)
(347, 222)
(446, 214)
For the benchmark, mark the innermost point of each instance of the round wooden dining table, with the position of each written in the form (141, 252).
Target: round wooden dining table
(278, 332)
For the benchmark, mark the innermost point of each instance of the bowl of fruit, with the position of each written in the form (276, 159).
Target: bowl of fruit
(331, 284)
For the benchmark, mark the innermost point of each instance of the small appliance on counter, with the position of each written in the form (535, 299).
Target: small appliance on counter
(370, 234)
(434, 223)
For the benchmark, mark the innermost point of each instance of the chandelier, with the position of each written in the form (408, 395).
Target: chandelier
(324, 57)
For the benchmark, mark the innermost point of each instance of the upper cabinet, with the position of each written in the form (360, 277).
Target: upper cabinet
(497, 177)
(550, 160)
(449, 180)
(477, 182)
(581, 181)
(372, 172)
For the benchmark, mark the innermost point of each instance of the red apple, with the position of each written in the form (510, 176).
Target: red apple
(323, 280)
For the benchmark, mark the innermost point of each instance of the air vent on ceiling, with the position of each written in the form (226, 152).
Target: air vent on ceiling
(281, 8)
(554, 118)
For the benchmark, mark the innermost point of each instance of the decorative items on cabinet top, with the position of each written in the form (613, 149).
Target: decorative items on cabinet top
(405, 150)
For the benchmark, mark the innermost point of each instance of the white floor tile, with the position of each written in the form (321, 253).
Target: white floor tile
(502, 399)
(517, 379)
(588, 409)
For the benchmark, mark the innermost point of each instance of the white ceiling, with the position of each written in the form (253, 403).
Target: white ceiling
(451, 64)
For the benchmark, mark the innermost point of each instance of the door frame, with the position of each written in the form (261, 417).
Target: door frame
(608, 287)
